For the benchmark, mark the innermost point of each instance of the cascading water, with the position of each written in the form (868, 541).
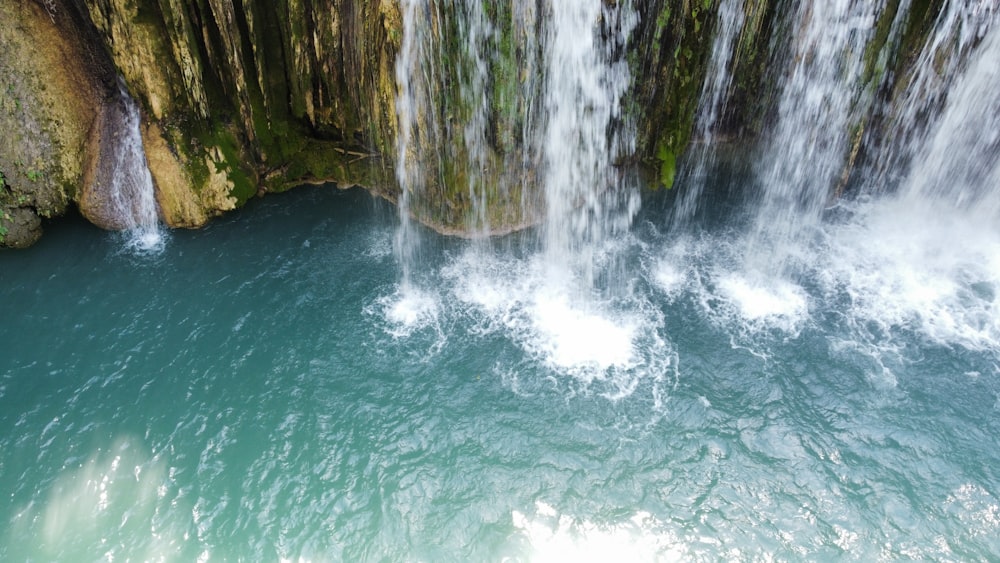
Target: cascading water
(132, 197)
(572, 145)
(956, 157)
(959, 27)
(567, 303)
(925, 257)
(417, 134)
(563, 302)
(479, 36)
(806, 156)
(411, 104)
(584, 87)
(712, 103)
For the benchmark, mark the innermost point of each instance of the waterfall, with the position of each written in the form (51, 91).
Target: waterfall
(712, 103)
(479, 37)
(132, 198)
(583, 91)
(412, 103)
(442, 111)
(555, 117)
(957, 163)
(531, 111)
(931, 91)
(820, 102)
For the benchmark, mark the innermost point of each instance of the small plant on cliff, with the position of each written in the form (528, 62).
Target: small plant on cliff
(50, 7)
(3, 228)
(3, 214)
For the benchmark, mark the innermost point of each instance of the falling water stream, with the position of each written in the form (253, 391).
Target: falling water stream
(714, 95)
(296, 382)
(807, 152)
(132, 196)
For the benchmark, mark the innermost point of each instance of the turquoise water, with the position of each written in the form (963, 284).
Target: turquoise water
(263, 389)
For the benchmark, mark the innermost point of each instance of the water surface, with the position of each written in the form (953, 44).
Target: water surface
(264, 389)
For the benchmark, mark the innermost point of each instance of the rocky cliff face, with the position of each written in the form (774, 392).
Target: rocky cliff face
(255, 96)
(238, 100)
(244, 97)
(51, 95)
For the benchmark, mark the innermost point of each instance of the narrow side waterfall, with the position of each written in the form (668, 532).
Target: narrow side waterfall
(411, 103)
(132, 197)
(584, 87)
(714, 95)
(479, 39)
(958, 162)
(806, 157)
(947, 110)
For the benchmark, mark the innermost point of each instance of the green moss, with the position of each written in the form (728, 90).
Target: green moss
(877, 50)
(244, 184)
(671, 70)
(662, 24)
(214, 144)
(668, 166)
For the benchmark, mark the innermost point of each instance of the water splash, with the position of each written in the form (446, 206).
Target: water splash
(607, 346)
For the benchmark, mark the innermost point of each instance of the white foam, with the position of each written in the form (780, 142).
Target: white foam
(571, 337)
(774, 302)
(746, 303)
(555, 537)
(669, 277)
(922, 266)
(145, 240)
(562, 324)
(409, 309)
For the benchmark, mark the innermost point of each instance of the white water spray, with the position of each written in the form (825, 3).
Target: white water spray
(411, 103)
